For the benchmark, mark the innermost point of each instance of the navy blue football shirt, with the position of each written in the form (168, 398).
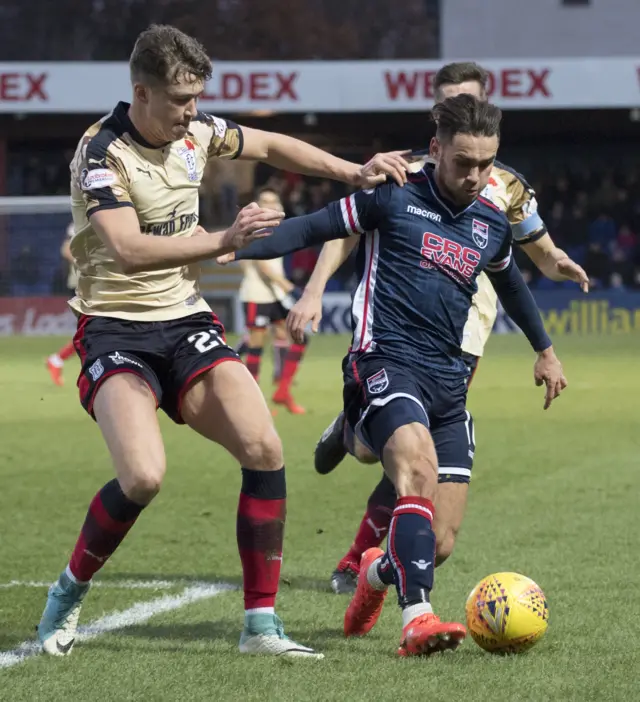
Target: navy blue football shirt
(418, 261)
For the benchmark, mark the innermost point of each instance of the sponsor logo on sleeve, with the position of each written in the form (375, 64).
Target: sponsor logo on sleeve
(98, 178)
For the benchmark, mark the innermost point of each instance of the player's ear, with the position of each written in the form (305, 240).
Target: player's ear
(141, 93)
(434, 148)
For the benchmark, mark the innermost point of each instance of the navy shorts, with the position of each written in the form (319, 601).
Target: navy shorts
(382, 395)
(168, 356)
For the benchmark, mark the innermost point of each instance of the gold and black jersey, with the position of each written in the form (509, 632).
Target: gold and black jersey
(516, 198)
(254, 288)
(115, 167)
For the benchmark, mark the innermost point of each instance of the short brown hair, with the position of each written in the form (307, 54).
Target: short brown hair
(465, 114)
(162, 55)
(456, 73)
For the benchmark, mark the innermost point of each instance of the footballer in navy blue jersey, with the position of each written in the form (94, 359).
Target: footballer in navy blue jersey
(417, 248)
(423, 247)
(510, 191)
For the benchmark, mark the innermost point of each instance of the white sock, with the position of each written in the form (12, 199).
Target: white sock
(373, 578)
(73, 578)
(412, 611)
(260, 610)
(56, 361)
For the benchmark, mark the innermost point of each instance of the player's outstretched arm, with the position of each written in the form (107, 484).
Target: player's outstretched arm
(309, 307)
(289, 154)
(292, 235)
(119, 230)
(519, 304)
(554, 263)
(352, 215)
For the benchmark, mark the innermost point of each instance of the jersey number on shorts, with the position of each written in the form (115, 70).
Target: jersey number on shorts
(206, 340)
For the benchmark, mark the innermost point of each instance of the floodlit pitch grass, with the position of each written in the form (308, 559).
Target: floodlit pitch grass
(554, 496)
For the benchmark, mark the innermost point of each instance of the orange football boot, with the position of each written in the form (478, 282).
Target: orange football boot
(286, 399)
(366, 605)
(426, 634)
(55, 372)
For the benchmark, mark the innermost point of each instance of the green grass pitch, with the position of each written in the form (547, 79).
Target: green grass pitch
(554, 496)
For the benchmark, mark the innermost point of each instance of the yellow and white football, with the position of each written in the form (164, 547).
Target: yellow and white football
(506, 613)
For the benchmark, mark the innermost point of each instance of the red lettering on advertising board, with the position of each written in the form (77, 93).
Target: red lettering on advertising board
(22, 87)
(508, 83)
(261, 85)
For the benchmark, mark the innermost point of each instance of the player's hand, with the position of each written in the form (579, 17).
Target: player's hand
(307, 309)
(570, 270)
(375, 171)
(548, 371)
(253, 222)
(226, 258)
(200, 231)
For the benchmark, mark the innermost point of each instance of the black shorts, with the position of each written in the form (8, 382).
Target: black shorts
(381, 395)
(168, 356)
(260, 315)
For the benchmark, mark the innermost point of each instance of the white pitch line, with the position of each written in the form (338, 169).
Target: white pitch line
(118, 584)
(137, 614)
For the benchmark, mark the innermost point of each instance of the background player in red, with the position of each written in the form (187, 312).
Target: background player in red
(55, 362)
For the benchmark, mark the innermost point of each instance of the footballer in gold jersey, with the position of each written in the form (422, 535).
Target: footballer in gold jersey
(511, 193)
(147, 338)
(266, 296)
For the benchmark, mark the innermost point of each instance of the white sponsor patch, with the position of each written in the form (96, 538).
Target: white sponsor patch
(433, 216)
(119, 359)
(98, 178)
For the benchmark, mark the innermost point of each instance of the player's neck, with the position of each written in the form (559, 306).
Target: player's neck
(147, 135)
(445, 193)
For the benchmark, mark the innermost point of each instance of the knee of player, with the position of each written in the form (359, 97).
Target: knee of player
(143, 486)
(411, 457)
(264, 452)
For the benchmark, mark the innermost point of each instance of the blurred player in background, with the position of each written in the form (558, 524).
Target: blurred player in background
(265, 293)
(146, 337)
(405, 381)
(512, 194)
(55, 362)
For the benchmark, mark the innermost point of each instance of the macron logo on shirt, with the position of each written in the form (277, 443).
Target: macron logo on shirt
(424, 213)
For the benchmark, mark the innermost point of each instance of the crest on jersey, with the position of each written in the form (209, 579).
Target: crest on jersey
(480, 234)
(188, 153)
(378, 383)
